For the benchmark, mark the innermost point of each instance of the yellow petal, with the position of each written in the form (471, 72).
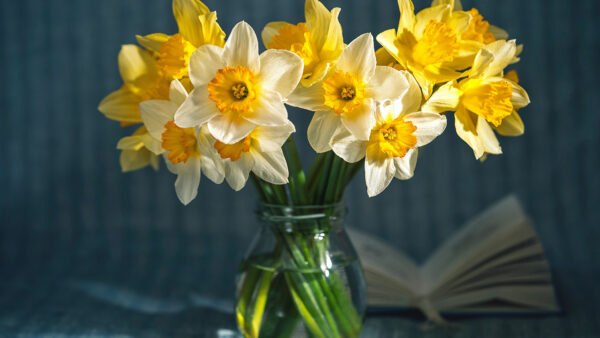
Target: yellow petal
(270, 30)
(407, 15)
(121, 105)
(318, 19)
(438, 13)
(133, 142)
(456, 5)
(511, 125)
(152, 41)
(131, 160)
(444, 99)
(186, 14)
(211, 31)
(476, 132)
(334, 42)
(498, 33)
(137, 67)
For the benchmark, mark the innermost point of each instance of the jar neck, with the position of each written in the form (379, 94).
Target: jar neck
(313, 218)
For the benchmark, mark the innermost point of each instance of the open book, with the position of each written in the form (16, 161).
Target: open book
(493, 264)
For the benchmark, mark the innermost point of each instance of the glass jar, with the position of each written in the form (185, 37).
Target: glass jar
(301, 276)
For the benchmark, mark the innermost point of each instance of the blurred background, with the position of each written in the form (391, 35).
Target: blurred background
(86, 249)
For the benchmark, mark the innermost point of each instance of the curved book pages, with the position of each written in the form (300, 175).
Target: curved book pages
(494, 264)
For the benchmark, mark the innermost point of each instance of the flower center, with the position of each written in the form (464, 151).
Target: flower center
(478, 29)
(234, 89)
(438, 44)
(181, 143)
(175, 56)
(490, 100)
(391, 139)
(296, 38)
(233, 151)
(343, 92)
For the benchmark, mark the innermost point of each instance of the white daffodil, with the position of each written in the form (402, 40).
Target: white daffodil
(259, 152)
(485, 101)
(346, 99)
(188, 151)
(237, 89)
(392, 148)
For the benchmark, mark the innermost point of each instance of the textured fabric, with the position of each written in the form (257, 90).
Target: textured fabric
(88, 251)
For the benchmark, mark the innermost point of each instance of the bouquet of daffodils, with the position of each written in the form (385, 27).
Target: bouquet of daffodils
(213, 105)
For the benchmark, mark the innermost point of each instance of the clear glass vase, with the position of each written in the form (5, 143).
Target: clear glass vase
(301, 276)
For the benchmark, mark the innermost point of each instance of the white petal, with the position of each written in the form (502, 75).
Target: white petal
(241, 48)
(270, 111)
(411, 100)
(155, 114)
(348, 147)
(443, 99)
(197, 109)
(204, 63)
(387, 83)
(177, 93)
(236, 173)
(212, 167)
(188, 179)
(361, 120)
(309, 98)
(359, 57)
(378, 175)
(280, 70)
(405, 166)
(429, 126)
(229, 128)
(271, 166)
(272, 138)
(321, 130)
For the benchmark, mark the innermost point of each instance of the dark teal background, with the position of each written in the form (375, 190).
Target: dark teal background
(85, 249)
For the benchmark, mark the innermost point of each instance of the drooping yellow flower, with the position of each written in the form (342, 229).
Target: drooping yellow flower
(142, 81)
(429, 44)
(197, 26)
(318, 41)
(485, 101)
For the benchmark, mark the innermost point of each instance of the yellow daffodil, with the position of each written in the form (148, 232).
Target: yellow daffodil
(197, 26)
(237, 89)
(259, 152)
(188, 151)
(142, 81)
(429, 43)
(346, 98)
(392, 148)
(318, 41)
(485, 101)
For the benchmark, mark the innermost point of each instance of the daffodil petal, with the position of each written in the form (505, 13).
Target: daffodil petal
(280, 71)
(213, 169)
(504, 52)
(318, 20)
(188, 179)
(498, 33)
(387, 83)
(241, 48)
(131, 160)
(309, 98)
(387, 39)
(121, 105)
(429, 126)
(511, 125)
(322, 129)
(197, 109)
(272, 138)
(152, 41)
(437, 13)
(204, 63)
(177, 93)
(519, 97)
(378, 175)
(271, 166)
(348, 147)
(334, 42)
(270, 111)
(412, 98)
(186, 14)
(405, 166)
(130, 143)
(359, 57)
(444, 99)
(360, 121)
(229, 128)
(236, 173)
(407, 15)
(155, 114)
(137, 67)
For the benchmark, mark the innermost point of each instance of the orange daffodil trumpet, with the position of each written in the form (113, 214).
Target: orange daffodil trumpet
(345, 99)
(392, 148)
(188, 151)
(318, 41)
(217, 107)
(484, 101)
